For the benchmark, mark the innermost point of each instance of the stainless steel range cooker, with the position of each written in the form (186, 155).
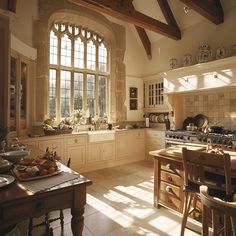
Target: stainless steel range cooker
(225, 140)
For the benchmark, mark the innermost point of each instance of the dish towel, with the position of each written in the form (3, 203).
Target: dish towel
(41, 185)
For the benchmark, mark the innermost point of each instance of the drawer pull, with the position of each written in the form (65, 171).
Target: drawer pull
(168, 166)
(169, 189)
(76, 140)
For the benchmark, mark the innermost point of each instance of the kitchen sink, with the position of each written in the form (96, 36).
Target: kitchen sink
(101, 135)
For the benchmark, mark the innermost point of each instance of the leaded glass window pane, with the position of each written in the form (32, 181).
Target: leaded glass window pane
(53, 48)
(102, 58)
(65, 51)
(91, 55)
(79, 54)
(91, 94)
(102, 90)
(78, 91)
(52, 93)
(65, 93)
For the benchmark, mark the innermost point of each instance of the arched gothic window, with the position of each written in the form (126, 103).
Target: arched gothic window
(79, 71)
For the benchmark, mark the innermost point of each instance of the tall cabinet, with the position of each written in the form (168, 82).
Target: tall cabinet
(18, 94)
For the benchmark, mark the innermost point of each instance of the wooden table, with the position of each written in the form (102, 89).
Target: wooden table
(18, 204)
(169, 176)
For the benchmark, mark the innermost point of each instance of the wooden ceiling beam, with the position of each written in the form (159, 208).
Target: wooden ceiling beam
(116, 9)
(212, 10)
(145, 41)
(142, 34)
(166, 11)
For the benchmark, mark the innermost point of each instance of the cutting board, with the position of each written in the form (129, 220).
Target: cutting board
(176, 151)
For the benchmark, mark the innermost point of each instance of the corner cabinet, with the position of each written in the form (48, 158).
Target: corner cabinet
(154, 100)
(18, 94)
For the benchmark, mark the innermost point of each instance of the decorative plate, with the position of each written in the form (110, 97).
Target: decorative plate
(173, 63)
(20, 177)
(6, 180)
(187, 60)
(205, 53)
(220, 53)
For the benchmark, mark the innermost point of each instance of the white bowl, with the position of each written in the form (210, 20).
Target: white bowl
(14, 156)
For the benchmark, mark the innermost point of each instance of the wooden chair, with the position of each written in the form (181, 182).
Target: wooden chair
(197, 171)
(47, 220)
(217, 207)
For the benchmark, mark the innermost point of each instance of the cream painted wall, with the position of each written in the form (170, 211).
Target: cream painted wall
(204, 32)
(22, 27)
(134, 115)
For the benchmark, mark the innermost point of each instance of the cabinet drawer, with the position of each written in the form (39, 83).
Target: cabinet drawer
(76, 140)
(156, 134)
(171, 202)
(172, 167)
(170, 189)
(36, 207)
(171, 178)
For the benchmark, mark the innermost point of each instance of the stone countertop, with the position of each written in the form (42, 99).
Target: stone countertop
(88, 132)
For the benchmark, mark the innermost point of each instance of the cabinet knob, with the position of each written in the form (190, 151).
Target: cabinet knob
(168, 166)
(76, 140)
(168, 189)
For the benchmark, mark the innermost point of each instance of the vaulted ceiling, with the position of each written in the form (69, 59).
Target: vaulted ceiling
(159, 18)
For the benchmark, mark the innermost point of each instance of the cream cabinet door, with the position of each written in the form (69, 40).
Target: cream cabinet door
(108, 151)
(77, 155)
(155, 141)
(101, 151)
(123, 142)
(94, 152)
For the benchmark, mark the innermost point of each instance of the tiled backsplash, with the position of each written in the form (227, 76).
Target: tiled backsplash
(218, 105)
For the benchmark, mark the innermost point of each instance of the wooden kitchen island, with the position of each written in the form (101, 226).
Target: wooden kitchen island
(169, 176)
(18, 204)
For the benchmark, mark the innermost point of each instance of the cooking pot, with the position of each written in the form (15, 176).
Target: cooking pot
(216, 129)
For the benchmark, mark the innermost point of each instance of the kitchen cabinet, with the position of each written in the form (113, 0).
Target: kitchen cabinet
(18, 93)
(208, 75)
(101, 151)
(130, 145)
(155, 140)
(154, 99)
(75, 149)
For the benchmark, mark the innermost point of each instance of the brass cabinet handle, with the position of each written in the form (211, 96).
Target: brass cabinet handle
(76, 140)
(169, 189)
(168, 166)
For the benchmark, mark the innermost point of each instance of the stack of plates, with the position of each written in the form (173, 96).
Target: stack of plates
(157, 118)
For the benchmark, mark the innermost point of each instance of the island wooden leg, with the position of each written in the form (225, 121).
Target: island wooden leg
(77, 211)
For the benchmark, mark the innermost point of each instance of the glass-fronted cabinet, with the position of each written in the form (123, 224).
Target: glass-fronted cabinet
(18, 94)
(153, 96)
(12, 92)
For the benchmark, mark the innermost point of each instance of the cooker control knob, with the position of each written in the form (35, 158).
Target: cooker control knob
(204, 139)
(181, 137)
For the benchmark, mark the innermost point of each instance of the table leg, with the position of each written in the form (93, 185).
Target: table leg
(77, 211)
(77, 221)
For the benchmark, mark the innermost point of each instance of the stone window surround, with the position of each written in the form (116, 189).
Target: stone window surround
(114, 34)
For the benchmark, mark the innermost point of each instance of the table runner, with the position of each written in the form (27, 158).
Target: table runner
(40, 185)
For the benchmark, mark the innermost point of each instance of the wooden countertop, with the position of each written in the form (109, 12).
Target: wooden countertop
(175, 152)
